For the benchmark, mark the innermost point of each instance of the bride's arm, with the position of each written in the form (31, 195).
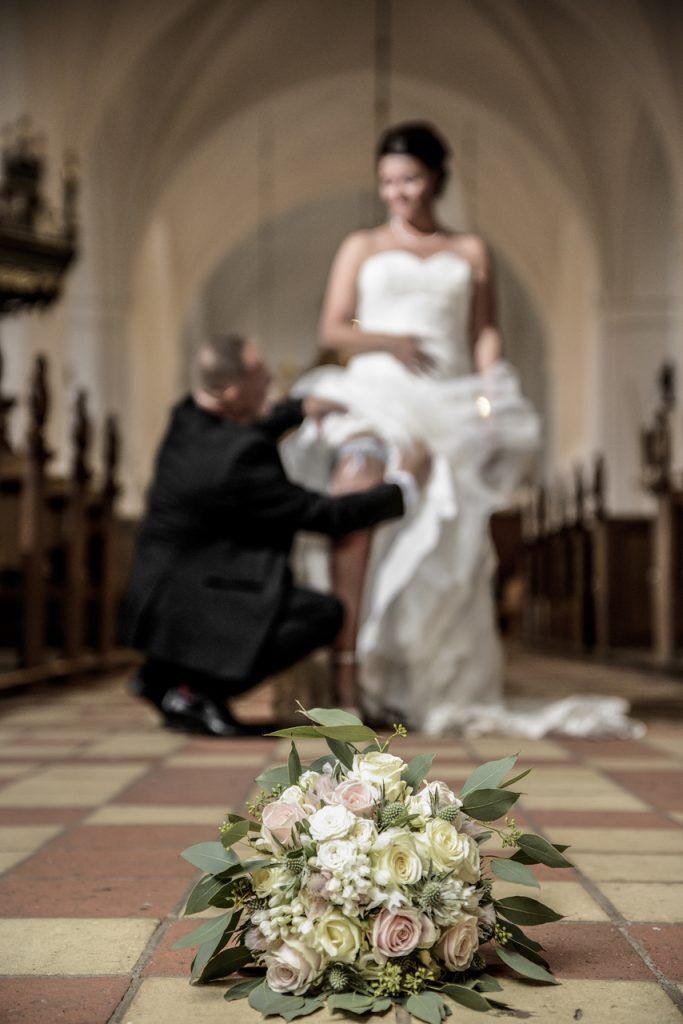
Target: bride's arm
(487, 344)
(338, 330)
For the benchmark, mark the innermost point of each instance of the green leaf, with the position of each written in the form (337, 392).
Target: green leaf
(268, 1002)
(333, 716)
(351, 1002)
(382, 1005)
(467, 997)
(320, 762)
(489, 775)
(210, 857)
(206, 931)
(427, 1006)
(486, 983)
(310, 1005)
(206, 889)
(515, 778)
(417, 769)
(523, 966)
(489, 804)
(242, 988)
(227, 962)
(513, 872)
(482, 838)
(525, 945)
(524, 910)
(237, 831)
(540, 851)
(293, 765)
(278, 776)
(346, 733)
(342, 751)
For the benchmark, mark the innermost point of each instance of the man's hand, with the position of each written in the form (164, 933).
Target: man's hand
(318, 408)
(417, 460)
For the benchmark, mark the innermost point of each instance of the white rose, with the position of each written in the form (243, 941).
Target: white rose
(395, 857)
(365, 833)
(292, 967)
(293, 795)
(339, 936)
(332, 822)
(449, 850)
(380, 770)
(458, 944)
(336, 854)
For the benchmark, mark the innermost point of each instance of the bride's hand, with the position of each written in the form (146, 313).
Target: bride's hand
(408, 350)
(318, 408)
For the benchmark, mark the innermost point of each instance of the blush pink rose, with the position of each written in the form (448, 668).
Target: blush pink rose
(398, 932)
(322, 790)
(357, 797)
(278, 821)
(458, 944)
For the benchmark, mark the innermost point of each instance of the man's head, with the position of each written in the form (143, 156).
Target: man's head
(232, 377)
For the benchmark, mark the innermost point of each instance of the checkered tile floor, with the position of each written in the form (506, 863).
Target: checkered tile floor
(96, 802)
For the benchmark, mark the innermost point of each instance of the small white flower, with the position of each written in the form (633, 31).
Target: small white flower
(336, 855)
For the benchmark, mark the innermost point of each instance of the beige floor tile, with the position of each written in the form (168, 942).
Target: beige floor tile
(672, 745)
(621, 840)
(37, 751)
(11, 771)
(678, 815)
(135, 744)
(26, 838)
(529, 750)
(567, 898)
(646, 901)
(69, 786)
(146, 814)
(72, 945)
(245, 760)
(600, 797)
(600, 1002)
(631, 764)
(47, 716)
(630, 867)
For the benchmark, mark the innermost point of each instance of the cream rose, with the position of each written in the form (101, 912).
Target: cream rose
(292, 967)
(332, 822)
(380, 770)
(436, 792)
(395, 858)
(449, 850)
(278, 821)
(365, 833)
(338, 936)
(458, 944)
(399, 932)
(358, 797)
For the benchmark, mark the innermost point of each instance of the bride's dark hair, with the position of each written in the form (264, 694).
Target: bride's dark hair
(421, 140)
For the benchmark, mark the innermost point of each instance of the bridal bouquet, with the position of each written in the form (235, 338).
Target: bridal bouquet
(360, 884)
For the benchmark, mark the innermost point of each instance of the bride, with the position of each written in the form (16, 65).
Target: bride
(410, 312)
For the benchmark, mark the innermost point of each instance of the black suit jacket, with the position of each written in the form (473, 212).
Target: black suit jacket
(211, 564)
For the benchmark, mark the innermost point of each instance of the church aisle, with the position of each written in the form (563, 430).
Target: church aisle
(96, 803)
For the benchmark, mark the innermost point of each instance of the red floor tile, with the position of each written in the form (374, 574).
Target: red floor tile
(661, 789)
(25, 896)
(602, 819)
(36, 1000)
(221, 786)
(42, 815)
(610, 748)
(664, 943)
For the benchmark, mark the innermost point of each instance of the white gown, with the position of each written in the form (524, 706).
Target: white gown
(428, 648)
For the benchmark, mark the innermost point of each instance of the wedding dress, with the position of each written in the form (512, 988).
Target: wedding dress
(428, 648)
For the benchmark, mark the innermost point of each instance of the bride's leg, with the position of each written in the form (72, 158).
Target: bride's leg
(360, 466)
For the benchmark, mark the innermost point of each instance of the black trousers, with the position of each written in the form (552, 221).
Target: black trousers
(306, 621)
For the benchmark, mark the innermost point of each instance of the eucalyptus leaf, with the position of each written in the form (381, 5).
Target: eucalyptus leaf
(427, 1006)
(205, 933)
(226, 962)
(489, 804)
(202, 957)
(515, 778)
(511, 871)
(210, 857)
(242, 988)
(522, 965)
(541, 851)
(237, 831)
(346, 733)
(293, 765)
(467, 997)
(382, 1005)
(489, 775)
(310, 1005)
(333, 716)
(351, 1002)
(525, 945)
(278, 776)
(524, 910)
(342, 751)
(200, 898)
(487, 983)
(262, 998)
(417, 770)
(320, 762)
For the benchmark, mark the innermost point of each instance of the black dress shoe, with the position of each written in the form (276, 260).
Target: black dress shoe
(185, 711)
(139, 686)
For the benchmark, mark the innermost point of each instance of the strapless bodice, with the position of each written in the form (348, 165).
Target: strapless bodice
(401, 293)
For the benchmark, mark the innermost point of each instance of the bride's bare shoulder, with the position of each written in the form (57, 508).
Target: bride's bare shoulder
(474, 248)
(358, 245)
